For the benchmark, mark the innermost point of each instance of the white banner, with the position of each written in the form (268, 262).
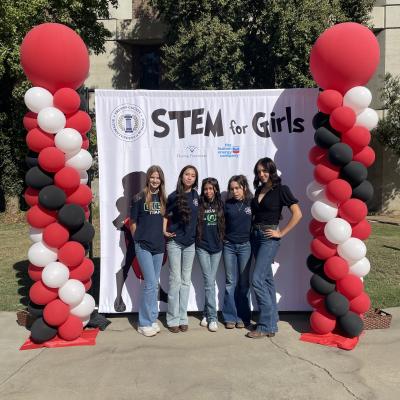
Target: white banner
(222, 133)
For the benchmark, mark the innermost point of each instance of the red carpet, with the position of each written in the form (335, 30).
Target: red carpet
(331, 339)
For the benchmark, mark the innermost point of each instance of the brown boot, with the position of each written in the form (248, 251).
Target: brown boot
(174, 329)
(229, 325)
(259, 334)
(183, 328)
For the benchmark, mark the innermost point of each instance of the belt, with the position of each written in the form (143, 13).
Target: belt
(263, 227)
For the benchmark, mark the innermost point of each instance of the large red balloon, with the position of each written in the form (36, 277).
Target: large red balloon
(353, 210)
(34, 272)
(39, 217)
(342, 119)
(40, 294)
(344, 56)
(55, 235)
(30, 120)
(71, 329)
(316, 228)
(83, 272)
(53, 56)
(87, 284)
(322, 322)
(81, 196)
(336, 268)
(51, 159)
(365, 156)
(315, 299)
(71, 254)
(67, 100)
(328, 100)
(362, 230)
(80, 121)
(317, 154)
(326, 172)
(322, 248)
(360, 304)
(67, 178)
(357, 138)
(56, 312)
(31, 196)
(85, 142)
(338, 190)
(37, 140)
(350, 286)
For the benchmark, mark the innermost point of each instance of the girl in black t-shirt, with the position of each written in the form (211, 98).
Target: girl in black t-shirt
(147, 212)
(210, 233)
(269, 199)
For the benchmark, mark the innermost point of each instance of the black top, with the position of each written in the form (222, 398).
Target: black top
(149, 224)
(185, 234)
(268, 212)
(237, 220)
(210, 240)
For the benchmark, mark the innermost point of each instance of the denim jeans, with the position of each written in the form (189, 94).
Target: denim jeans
(180, 274)
(150, 265)
(209, 263)
(237, 258)
(264, 250)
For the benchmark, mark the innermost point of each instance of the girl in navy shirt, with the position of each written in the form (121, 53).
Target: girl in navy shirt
(210, 233)
(147, 212)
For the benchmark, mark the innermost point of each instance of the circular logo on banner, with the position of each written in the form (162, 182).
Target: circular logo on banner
(128, 122)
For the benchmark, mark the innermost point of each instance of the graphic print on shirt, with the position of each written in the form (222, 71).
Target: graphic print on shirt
(154, 207)
(210, 217)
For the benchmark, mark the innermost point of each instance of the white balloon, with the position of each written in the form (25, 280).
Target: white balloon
(368, 118)
(68, 140)
(35, 234)
(315, 191)
(51, 119)
(55, 274)
(337, 230)
(72, 292)
(84, 176)
(324, 210)
(352, 250)
(37, 98)
(357, 98)
(360, 268)
(40, 254)
(85, 307)
(81, 160)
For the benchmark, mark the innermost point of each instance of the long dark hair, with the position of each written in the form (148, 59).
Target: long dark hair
(241, 180)
(181, 200)
(217, 204)
(270, 167)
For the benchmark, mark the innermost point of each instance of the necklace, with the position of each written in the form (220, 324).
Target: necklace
(241, 205)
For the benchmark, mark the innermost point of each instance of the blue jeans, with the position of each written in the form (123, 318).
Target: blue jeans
(180, 273)
(209, 263)
(237, 258)
(264, 251)
(150, 265)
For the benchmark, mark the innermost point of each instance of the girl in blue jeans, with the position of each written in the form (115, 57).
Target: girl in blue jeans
(237, 253)
(182, 210)
(148, 208)
(210, 233)
(269, 199)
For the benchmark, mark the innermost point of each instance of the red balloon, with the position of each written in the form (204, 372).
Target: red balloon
(362, 230)
(317, 154)
(353, 210)
(315, 299)
(53, 56)
(71, 254)
(87, 212)
(51, 159)
(328, 100)
(39, 217)
(67, 100)
(81, 196)
(85, 142)
(338, 190)
(87, 284)
(31, 196)
(336, 268)
(40, 294)
(365, 156)
(30, 120)
(80, 121)
(71, 329)
(344, 56)
(360, 304)
(56, 312)
(350, 286)
(322, 322)
(37, 140)
(326, 172)
(55, 235)
(34, 272)
(67, 178)
(316, 228)
(357, 138)
(342, 119)
(83, 272)
(322, 248)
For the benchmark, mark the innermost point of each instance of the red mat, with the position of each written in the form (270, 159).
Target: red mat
(88, 338)
(331, 340)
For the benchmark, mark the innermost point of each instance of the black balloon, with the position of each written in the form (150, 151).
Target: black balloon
(320, 119)
(35, 310)
(325, 137)
(351, 324)
(340, 154)
(322, 284)
(72, 216)
(52, 197)
(354, 173)
(364, 191)
(336, 304)
(37, 178)
(31, 159)
(314, 264)
(83, 235)
(41, 332)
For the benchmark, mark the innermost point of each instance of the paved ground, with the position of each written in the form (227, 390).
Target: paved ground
(201, 365)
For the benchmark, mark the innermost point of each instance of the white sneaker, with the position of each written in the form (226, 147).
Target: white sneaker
(204, 322)
(147, 331)
(213, 326)
(156, 327)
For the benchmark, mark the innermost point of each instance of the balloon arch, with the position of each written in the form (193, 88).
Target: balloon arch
(56, 61)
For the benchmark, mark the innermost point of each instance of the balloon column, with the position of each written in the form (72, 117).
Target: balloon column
(56, 61)
(342, 60)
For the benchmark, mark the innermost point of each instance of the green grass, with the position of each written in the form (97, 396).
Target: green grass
(382, 283)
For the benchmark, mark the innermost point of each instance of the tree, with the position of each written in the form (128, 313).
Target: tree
(17, 18)
(243, 44)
